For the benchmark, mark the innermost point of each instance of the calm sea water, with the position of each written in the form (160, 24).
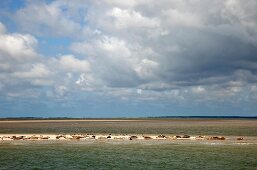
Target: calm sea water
(238, 127)
(147, 155)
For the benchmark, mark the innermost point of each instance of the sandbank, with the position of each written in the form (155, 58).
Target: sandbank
(127, 138)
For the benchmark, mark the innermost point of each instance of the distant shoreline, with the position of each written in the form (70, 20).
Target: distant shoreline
(122, 118)
(66, 120)
(34, 120)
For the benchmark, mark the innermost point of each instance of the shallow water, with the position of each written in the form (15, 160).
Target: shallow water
(126, 155)
(238, 127)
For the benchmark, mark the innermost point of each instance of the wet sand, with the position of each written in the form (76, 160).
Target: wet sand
(178, 126)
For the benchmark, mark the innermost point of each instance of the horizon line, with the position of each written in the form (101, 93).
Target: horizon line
(145, 117)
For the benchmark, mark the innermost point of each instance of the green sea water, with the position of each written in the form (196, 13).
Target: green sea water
(126, 155)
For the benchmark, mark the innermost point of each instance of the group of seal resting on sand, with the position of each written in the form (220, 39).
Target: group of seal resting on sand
(107, 137)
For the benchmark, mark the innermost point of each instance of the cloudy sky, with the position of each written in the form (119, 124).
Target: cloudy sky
(113, 58)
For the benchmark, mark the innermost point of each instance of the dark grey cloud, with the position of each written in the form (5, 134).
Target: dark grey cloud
(192, 42)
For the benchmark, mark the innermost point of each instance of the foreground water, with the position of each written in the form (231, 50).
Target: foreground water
(126, 155)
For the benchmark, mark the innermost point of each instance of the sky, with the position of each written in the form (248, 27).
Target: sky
(135, 58)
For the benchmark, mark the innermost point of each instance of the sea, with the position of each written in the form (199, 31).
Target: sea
(131, 154)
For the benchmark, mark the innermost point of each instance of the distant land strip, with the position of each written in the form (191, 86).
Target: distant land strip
(126, 118)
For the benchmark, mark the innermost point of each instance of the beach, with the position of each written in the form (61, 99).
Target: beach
(86, 139)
